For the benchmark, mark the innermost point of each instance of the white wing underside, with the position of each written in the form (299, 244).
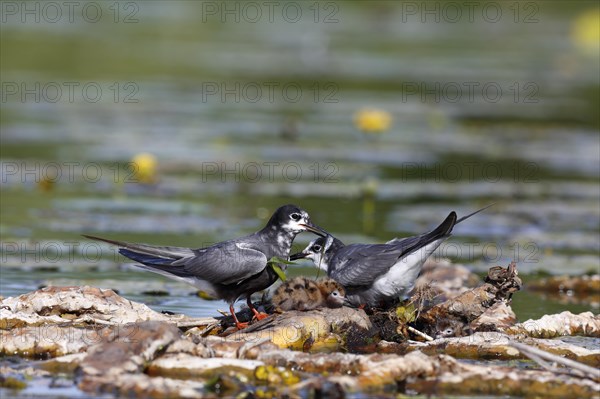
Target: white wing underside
(401, 277)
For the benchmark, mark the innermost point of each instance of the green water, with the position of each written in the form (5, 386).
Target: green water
(245, 116)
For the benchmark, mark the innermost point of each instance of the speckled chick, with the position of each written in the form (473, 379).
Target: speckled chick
(301, 293)
(332, 292)
(298, 293)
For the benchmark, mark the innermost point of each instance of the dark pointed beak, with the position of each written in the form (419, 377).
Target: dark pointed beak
(299, 255)
(314, 229)
(349, 304)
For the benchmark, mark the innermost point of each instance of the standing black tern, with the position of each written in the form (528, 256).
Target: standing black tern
(375, 273)
(229, 270)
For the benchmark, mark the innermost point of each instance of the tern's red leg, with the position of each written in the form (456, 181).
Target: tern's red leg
(257, 314)
(235, 319)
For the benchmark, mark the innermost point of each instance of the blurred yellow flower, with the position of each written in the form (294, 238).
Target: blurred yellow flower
(46, 184)
(585, 32)
(145, 168)
(370, 120)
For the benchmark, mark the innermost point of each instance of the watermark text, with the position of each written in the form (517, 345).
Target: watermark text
(52, 12)
(69, 92)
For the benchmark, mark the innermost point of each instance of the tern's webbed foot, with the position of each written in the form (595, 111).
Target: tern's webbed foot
(260, 315)
(257, 315)
(240, 325)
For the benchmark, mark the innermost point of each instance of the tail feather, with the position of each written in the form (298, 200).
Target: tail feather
(160, 265)
(445, 228)
(474, 213)
(146, 259)
(439, 234)
(166, 261)
(172, 253)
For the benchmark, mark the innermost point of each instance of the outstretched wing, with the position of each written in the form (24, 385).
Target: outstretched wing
(223, 263)
(361, 265)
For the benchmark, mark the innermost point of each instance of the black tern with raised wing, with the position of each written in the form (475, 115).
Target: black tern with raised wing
(375, 273)
(229, 270)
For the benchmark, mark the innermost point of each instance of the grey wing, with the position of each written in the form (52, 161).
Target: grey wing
(362, 264)
(359, 265)
(225, 263)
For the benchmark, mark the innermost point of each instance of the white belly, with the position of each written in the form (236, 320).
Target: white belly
(401, 277)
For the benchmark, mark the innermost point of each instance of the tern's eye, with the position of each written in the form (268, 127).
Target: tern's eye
(295, 216)
(316, 248)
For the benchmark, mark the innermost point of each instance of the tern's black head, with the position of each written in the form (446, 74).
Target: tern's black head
(320, 251)
(292, 219)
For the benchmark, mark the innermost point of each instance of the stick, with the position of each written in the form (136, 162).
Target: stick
(420, 334)
(532, 352)
(196, 323)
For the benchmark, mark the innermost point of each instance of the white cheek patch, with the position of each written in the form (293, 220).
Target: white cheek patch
(319, 260)
(293, 226)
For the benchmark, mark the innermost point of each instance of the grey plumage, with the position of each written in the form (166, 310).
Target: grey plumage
(372, 273)
(231, 269)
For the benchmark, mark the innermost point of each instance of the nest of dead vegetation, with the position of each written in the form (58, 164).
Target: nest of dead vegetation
(424, 317)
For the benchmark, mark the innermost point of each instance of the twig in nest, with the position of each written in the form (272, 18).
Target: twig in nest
(420, 334)
(196, 323)
(91, 320)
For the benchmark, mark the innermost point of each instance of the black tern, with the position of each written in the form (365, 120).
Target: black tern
(375, 273)
(228, 270)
